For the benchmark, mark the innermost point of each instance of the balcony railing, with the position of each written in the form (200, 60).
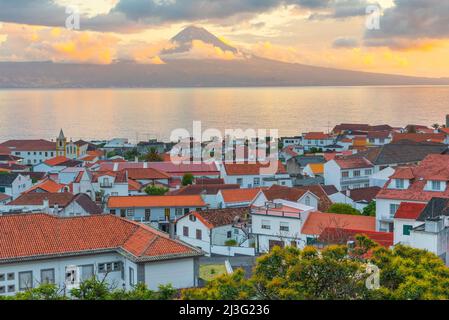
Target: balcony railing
(276, 213)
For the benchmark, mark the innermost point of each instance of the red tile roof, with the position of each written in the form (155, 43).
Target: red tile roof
(120, 176)
(378, 134)
(353, 163)
(433, 167)
(211, 189)
(240, 195)
(221, 217)
(364, 194)
(409, 210)
(37, 199)
(419, 137)
(167, 167)
(317, 222)
(41, 235)
(342, 236)
(56, 160)
(281, 192)
(403, 173)
(156, 201)
(47, 186)
(4, 197)
(30, 145)
(134, 185)
(316, 136)
(146, 174)
(250, 169)
(289, 150)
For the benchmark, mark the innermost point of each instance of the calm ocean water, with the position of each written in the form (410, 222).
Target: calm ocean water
(154, 113)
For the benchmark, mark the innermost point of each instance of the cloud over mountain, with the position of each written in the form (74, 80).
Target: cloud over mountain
(133, 15)
(411, 24)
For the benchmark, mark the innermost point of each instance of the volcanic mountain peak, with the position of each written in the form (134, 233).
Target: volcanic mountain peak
(184, 39)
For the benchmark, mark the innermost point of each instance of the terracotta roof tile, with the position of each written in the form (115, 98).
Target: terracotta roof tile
(30, 145)
(342, 236)
(409, 210)
(56, 161)
(221, 217)
(241, 169)
(317, 136)
(48, 186)
(353, 163)
(419, 137)
(317, 222)
(146, 174)
(34, 235)
(240, 195)
(210, 189)
(433, 167)
(156, 201)
(364, 194)
(37, 199)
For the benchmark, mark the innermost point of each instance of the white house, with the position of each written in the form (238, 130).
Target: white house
(213, 230)
(379, 138)
(61, 204)
(291, 141)
(317, 140)
(101, 184)
(296, 195)
(416, 184)
(348, 173)
(254, 175)
(405, 220)
(430, 229)
(13, 184)
(277, 223)
(160, 211)
(120, 252)
(31, 151)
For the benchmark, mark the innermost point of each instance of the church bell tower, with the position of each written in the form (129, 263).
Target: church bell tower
(61, 142)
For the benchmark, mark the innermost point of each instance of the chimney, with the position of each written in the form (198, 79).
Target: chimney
(447, 121)
(46, 205)
(136, 159)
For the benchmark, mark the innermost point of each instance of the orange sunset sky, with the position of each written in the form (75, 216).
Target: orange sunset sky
(413, 38)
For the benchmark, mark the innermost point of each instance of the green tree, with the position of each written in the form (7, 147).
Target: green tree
(370, 210)
(131, 155)
(336, 272)
(42, 292)
(111, 154)
(92, 289)
(342, 208)
(153, 156)
(187, 179)
(155, 190)
(224, 287)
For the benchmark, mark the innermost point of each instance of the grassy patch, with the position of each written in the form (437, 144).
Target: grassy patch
(209, 272)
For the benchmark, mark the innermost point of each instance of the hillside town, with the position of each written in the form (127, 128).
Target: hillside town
(124, 211)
